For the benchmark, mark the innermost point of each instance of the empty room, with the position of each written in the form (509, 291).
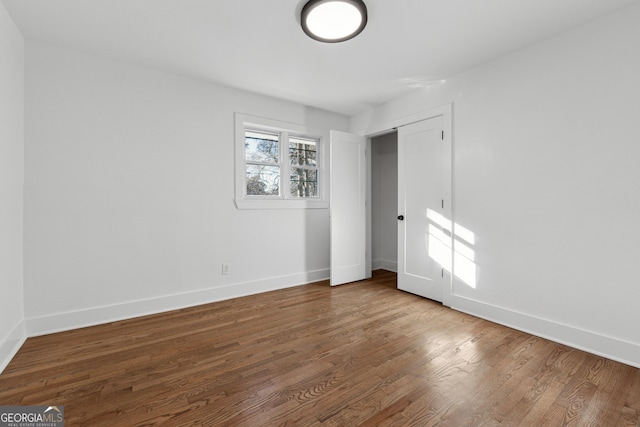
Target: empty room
(320, 212)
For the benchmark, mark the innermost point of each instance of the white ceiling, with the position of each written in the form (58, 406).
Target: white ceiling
(258, 45)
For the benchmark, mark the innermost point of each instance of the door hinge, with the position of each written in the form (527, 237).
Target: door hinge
(442, 273)
(442, 203)
(443, 135)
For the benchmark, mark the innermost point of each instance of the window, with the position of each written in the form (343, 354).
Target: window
(279, 165)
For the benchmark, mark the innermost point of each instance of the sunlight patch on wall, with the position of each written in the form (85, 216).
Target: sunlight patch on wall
(464, 257)
(439, 247)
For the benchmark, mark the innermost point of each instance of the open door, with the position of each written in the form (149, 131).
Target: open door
(347, 210)
(423, 238)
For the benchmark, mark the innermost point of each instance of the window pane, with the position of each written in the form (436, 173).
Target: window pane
(263, 180)
(304, 182)
(261, 147)
(302, 151)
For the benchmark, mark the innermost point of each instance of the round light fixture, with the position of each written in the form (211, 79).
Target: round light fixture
(333, 21)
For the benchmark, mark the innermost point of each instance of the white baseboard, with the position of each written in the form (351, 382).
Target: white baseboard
(98, 315)
(601, 345)
(385, 265)
(609, 347)
(11, 344)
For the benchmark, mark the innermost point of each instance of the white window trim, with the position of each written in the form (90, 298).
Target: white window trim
(244, 121)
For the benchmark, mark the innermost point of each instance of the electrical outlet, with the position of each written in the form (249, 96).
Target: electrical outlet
(225, 269)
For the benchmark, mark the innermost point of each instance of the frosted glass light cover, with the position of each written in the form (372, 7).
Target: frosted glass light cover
(333, 21)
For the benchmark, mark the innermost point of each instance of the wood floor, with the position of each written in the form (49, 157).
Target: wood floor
(358, 354)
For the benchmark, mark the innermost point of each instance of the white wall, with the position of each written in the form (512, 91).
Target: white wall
(384, 201)
(546, 150)
(12, 331)
(129, 194)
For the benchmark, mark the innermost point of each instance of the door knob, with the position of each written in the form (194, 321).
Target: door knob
(400, 217)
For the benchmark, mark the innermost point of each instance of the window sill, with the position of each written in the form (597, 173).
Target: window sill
(281, 204)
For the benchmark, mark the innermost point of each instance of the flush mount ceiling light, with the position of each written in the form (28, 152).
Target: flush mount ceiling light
(333, 21)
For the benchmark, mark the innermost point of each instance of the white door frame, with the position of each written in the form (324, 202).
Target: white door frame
(446, 111)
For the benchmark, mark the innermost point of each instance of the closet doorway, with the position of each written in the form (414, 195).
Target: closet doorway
(384, 201)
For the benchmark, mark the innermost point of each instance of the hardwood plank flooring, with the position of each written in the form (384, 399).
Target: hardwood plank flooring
(358, 354)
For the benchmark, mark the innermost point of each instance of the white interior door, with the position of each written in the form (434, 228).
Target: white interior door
(423, 241)
(347, 211)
